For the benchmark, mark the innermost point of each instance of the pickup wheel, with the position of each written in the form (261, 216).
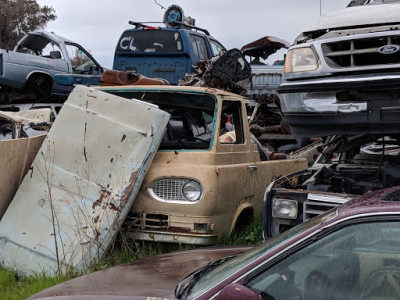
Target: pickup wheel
(41, 84)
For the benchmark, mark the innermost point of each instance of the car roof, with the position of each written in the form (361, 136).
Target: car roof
(383, 201)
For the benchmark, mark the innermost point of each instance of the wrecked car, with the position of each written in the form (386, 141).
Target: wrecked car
(28, 70)
(348, 166)
(33, 129)
(207, 177)
(348, 253)
(166, 52)
(342, 73)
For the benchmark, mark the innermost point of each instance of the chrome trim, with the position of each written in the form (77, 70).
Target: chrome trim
(169, 189)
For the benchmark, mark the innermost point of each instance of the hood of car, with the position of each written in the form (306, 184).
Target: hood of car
(358, 16)
(155, 276)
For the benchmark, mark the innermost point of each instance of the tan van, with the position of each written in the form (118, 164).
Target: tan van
(207, 176)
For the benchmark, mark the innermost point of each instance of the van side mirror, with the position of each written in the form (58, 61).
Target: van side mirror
(235, 291)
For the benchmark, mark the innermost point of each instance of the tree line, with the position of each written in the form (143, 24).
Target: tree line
(18, 17)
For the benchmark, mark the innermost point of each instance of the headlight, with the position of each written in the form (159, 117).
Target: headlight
(300, 60)
(176, 190)
(191, 190)
(283, 208)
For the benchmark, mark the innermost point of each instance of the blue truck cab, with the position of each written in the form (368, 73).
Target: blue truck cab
(166, 52)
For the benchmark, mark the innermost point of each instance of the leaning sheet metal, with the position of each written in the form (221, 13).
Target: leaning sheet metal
(81, 184)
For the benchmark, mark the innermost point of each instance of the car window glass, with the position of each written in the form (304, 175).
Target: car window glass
(216, 48)
(199, 46)
(150, 41)
(361, 259)
(231, 126)
(81, 63)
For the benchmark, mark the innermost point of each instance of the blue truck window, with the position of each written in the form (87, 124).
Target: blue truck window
(199, 47)
(149, 41)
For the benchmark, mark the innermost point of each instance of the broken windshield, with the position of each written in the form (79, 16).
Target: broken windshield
(149, 41)
(193, 117)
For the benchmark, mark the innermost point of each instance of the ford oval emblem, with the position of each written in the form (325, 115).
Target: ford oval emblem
(388, 49)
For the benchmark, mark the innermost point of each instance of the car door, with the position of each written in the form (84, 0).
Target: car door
(356, 260)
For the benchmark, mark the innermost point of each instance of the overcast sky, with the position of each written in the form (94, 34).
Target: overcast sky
(97, 24)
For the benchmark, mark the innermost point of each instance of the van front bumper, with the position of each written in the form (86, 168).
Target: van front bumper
(200, 239)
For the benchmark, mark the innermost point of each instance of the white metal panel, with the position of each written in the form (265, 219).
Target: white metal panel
(82, 183)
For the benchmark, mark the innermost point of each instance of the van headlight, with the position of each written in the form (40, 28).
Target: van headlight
(192, 190)
(301, 60)
(176, 190)
(285, 209)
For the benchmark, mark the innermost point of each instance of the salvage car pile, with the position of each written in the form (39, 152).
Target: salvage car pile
(178, 164)
(342, 81)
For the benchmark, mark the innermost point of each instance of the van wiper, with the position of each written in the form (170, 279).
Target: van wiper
(184, 287)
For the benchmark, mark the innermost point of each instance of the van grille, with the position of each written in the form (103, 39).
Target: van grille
(312, 209)
(168, 189)
(361, 52)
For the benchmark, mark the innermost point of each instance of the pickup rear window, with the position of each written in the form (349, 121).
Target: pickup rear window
(150, 41)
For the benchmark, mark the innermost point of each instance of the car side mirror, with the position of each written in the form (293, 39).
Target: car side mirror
(235, 291)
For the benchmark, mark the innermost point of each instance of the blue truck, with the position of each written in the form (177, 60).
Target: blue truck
(166, 52)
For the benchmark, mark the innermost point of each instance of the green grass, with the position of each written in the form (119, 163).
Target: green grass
(14, 287)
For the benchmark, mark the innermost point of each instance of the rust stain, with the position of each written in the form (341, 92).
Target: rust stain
(123, 138)
(84, 134)
(96, 235)
(144, 134)
(104, 194)
(168, 162)
(85, 227)
(217, 171)
(128, 189)
(113, 207)
(96, 220)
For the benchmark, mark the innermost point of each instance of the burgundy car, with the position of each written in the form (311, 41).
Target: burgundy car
(350, 252)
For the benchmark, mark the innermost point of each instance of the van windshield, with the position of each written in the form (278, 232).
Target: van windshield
(193, 117)
(150, 41)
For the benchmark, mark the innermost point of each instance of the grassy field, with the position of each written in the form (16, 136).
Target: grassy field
(14, 287)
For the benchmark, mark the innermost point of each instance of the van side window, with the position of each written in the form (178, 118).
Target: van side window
(199, 46)
(231, 126)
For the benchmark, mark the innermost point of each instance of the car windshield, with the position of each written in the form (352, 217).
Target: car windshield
(224, 270)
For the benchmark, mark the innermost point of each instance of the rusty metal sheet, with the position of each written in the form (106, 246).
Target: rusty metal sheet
(82, 183)
(16, 158)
